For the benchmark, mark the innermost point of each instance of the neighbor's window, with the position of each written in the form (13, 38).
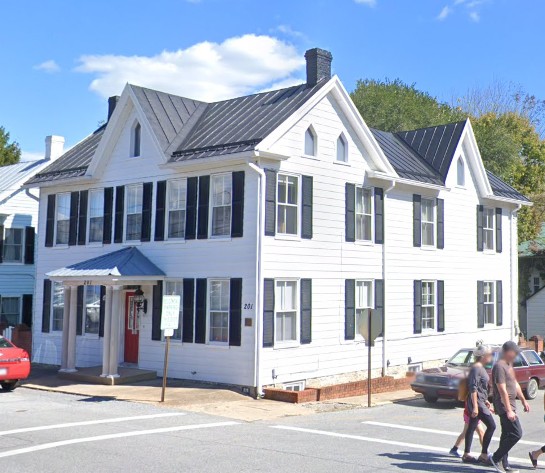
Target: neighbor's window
(342, 149)
(364, 302)
(428, 222)
(222, 191)
(218, 315)
(488, 229)
(288, 200)
(364, 214)
(10, 311)
(96, 215)
(13, 245)
(460, 173)
(489, 302)
(428, 305)
(285, 307)
(58, 306)
(176, 202)
(175, 288)
(310, 142)
(537, 284)
(133, 225)
(136, 140)
(92, 309)
(62, 219)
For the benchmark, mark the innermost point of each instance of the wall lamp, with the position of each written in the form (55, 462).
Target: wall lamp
(140, 301)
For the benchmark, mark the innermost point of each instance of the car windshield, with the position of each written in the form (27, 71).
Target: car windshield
(4, 343)
(462, 358)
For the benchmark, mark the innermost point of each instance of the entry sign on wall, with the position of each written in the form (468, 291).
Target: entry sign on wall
(170, 316)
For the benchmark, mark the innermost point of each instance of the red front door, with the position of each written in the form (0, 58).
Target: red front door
(132, 327)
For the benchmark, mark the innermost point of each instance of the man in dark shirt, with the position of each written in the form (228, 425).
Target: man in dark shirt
(505, 391)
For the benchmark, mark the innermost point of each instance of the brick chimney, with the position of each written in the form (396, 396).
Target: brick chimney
(54, 147)
(318, 65)
(112, 102)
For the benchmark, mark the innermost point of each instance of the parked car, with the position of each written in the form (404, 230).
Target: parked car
(14, 364)
(442, 383)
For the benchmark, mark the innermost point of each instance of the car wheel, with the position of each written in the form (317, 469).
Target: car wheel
(430, 399)
(8, 386)
(532, 389)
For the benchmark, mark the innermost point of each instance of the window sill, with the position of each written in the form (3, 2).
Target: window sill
(132, 243)
(309, 156)
(284, 345)
(429, 331)
(220, 238)
(13, 263)
(173, 241)
(365, 242)
(428, 248)
(342, 163)
(489, 252)
(283, 236)
(95, 244)
(60, 247)
(218, 345)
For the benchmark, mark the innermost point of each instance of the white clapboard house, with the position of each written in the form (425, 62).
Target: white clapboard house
(280, 219)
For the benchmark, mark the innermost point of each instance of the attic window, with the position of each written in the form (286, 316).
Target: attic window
(342, 149)
(460, 173)
(310, 142)
(136, 138)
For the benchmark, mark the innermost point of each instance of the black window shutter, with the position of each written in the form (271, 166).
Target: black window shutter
(27, 310)
(499, 236)
(156, 311)
(306, 311)
(82, 218)
(79, 311)
(160, 209)
(499, 303)
(417, 221)
(1, 243)
(50, 220)
(417, 307)
(480, 304)
(188, 310)
(74, 211)
(119, 213)
(379, 302)
(350, 212)
(237, 211)
(480, 228)
(102, 311)
(191, 208)
(440, 306)
(200, 312)
(108, 211)
(440, 224)
(235, 312)
(204, 195)
(268, 312)
(46, 307)
(379, 215)
(147, 198)
(270, 203)
(306, 207)
(30, 244)
(349, 309)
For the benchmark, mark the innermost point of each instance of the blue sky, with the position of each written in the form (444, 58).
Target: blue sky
(60, 60)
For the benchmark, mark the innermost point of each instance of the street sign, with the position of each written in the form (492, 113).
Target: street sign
(168, 332)
(170, 316)
(371, 327)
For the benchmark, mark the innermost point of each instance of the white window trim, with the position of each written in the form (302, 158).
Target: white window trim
(435, 306)
(16, 263)
(211, 209)
(167, 210)
(360, 337)
(493, 249)
(208, 341)
(88, 229)
(125, 213)
(493, 304)
(346, 149)
(463, 161)
(20, 308)
(316, 144)
(165, 293)
(52, 309)
(289, 236)
(372, 240)
(297, 341)
(60, 245)
(434, 205)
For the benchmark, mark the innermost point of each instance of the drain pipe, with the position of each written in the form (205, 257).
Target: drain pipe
(513, 273)
(259, 279)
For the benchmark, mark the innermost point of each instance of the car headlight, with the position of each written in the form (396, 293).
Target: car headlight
(420, 377)
(454, 382)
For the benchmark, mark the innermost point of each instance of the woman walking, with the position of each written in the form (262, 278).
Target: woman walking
(478, 406)
(537, 453)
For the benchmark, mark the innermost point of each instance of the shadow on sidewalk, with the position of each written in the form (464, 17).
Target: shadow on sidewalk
(428, 461)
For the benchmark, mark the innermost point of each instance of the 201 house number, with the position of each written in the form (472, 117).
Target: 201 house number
(248, 306)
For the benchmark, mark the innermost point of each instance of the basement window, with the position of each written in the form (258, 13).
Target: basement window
(295, 386)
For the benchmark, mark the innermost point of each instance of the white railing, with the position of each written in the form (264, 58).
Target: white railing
(8, 332)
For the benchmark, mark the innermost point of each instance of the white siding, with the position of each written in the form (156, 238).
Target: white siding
(535, 310)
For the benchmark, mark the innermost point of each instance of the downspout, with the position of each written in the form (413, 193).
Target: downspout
(384, 278)
(513, 272)
(259, 280)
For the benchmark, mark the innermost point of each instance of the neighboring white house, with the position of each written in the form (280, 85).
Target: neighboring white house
(280, 219)
(18, 221)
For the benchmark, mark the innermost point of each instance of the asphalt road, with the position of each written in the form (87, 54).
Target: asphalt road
(50, 432)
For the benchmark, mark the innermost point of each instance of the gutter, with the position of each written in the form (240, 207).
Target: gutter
(259, 278)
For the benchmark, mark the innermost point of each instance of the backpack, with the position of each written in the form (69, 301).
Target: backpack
(463, 391)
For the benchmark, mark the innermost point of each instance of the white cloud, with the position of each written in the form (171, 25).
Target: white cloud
(474, 16)
(206, 71)
(369, 3)
(444, 13)
(289, 31)
(49, 66)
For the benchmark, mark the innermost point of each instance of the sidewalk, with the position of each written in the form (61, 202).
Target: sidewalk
(200, 397)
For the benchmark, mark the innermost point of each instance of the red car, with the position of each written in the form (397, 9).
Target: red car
(14, 364)
(442, 383)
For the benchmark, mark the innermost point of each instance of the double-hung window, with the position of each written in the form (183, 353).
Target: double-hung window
(218, 314)
(428, 222)
(286, 309)
(176, 205)
(96, 215)
(288, 204)
(489, 302)
(488, 229)
(13, 245)
(10, 312)
(62, 219)
(175, 288)
(133, 227)
(57, 303)
(364, 213)
(364, 303)
(222, 191)
(429, 303)
(92, 309)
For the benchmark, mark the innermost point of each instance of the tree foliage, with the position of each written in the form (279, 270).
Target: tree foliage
(10, 153)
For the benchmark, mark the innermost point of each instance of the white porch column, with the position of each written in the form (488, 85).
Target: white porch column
(114, 333)
(65, 325)
(72, 330)
(106, 341)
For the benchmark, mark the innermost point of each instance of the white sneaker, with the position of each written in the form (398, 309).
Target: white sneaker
(494, 464)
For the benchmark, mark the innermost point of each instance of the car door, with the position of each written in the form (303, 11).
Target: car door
(522, 371)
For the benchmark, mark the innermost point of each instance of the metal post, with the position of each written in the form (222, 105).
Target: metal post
(369, 360)
(165, 369)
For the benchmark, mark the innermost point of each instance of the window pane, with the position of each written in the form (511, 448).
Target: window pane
(460, 179)
(92, 309)
(428, 222)
(219, 311)
(62, 218)
(341, 149)
(9, 311)
(287, 211)
(134, 227)
(364, 216)
(363, 294)
(96, 203)
(13, 245)
(286, 326)
(221, 205)
(175, 288)
(58, 306)
(310, 147)
(134, 212)
(176, 224)
(428, 234)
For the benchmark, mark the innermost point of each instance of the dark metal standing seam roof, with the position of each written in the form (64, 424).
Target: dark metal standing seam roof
(502, 189)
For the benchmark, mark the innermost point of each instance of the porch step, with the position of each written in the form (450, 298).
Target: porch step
(92, 374)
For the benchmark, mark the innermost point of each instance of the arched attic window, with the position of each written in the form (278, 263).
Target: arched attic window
(310, 142)
(136, 140)
(460, 172)
(342, 149)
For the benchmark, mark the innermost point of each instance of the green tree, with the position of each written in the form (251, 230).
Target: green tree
(10, 153)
